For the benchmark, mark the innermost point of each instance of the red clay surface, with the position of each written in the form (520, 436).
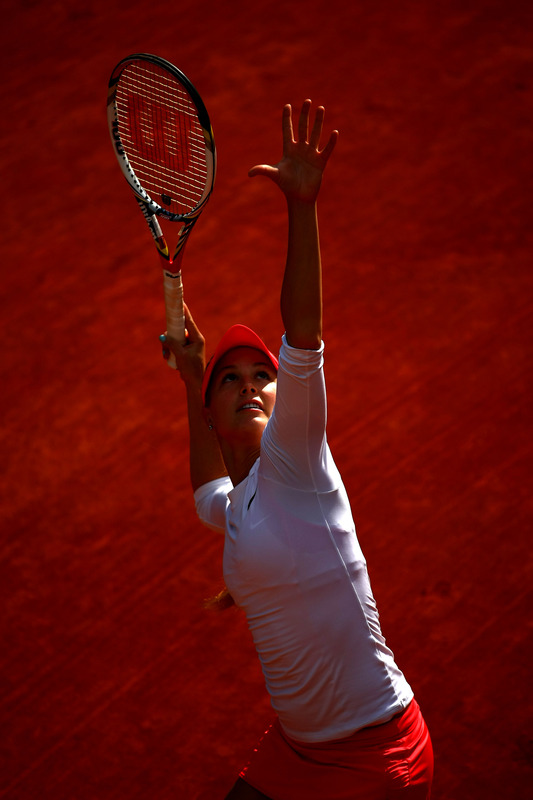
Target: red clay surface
(115, 683)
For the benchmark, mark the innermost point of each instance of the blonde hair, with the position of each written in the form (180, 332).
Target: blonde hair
(220, 602)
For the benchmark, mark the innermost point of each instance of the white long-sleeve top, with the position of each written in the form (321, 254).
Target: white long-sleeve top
(293, 563)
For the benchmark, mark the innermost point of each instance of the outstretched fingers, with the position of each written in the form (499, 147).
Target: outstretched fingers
(330, 146)
(298, 174)
(316, 131)
(303, 122)
(313, 138)
(286, 126)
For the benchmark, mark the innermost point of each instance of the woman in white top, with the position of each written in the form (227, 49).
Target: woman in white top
(346, 723)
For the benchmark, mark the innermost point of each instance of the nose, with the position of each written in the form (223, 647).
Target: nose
(247, 386)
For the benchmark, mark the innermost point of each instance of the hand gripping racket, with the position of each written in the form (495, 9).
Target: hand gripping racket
(164, 144)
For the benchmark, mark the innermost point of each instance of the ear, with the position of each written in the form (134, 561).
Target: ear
(208, 419)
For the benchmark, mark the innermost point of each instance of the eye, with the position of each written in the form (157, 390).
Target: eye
(228, 377)
(264, 376)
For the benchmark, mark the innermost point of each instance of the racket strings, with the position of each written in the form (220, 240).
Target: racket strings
(162, 137)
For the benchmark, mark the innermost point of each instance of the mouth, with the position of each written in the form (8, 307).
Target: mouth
(251, 406)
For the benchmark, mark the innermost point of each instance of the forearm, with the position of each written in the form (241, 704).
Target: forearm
(299, 176)
(301, 293)
(205, 459)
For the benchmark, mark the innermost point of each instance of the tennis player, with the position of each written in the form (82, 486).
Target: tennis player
(347, 725)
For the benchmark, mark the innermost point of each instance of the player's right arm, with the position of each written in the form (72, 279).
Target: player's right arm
(205, 458)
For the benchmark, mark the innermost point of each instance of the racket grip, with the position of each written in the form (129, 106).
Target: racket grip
(173, 289)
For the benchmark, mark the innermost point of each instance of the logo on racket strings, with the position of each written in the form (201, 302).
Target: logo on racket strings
(159, 134)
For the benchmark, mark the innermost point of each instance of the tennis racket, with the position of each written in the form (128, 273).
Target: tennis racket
(164, 144)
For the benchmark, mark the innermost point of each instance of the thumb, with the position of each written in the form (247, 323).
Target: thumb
(193, 332)
(266, 170)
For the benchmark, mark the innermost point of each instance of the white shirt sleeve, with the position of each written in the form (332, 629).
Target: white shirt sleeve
(211, 500)
(294, 449)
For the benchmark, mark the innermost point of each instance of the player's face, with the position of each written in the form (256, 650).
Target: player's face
(242, 394)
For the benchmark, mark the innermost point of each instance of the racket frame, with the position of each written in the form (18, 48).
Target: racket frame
(151, 210)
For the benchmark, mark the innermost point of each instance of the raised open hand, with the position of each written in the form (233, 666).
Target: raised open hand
(299, 173)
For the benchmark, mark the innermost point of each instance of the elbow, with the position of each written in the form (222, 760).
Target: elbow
(303, 340)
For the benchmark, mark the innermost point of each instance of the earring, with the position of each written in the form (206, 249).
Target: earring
(210, 426)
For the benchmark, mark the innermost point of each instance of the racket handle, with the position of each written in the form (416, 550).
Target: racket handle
(173, 289)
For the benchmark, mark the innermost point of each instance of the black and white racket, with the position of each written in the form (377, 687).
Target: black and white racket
(164, 144)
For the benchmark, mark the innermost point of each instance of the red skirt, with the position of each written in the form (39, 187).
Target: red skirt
(391, 760)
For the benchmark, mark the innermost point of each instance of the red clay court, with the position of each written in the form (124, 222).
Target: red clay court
(116, 684)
